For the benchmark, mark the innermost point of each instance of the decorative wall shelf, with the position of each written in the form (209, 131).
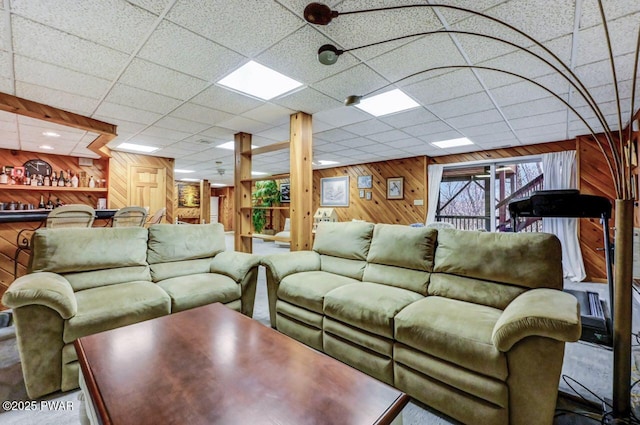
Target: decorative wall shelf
(53, 188)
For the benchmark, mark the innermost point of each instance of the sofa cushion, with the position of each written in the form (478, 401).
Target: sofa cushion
(403, 246)
(456, 331)
(113, 306)
(308, 289)
(168, 242)
(73, 249)
(343, 266)
(531, 260)
(368, 306)
(162, 271)
(477, 291)
(86, 280)
(199, 289)
(346, 240)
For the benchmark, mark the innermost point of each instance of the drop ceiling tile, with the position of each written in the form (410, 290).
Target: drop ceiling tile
(476, 102)
(480, 130)
(269, 113)
(141, 99)
(359, 80)
(51, 76)
(526, 92)
(52, 46)
(158, 79)
(307, 100)
(84, 153)
(279, 133)
(479, 48)
(543, 138)
(406, 143)
(6, 70)
(113, 23)
(540, 134)
(448, 86)
(116, 112)
(417, 56)
(161, 132)
(613, 9)
(180, 49)
(124, 126)
(296, 57)
(520, 63)
(227, 24)
(445, 135)
(477, 118)
(173, 123)
(494, 139)
(220, 133)
(201, 114)
(335, 135)
(539, 121)
(599, 73)
(148, 140)
(153, 6)
(411, 117)
(186, 147)
(245, 125)
(342, 116)
(534, 107)
(424, 129)
(349, 30)
(388, 136)
(6, 85)
(225, 100)
(356, 143)
(67, 101)
(365, 128)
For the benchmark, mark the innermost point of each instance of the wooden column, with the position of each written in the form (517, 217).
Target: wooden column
(205, 201)
(242, 193)
(301, 175)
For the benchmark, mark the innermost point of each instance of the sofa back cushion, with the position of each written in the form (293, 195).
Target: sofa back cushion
(401, 256)
(181, 249)
(348, 240)
(70, 251)
(524, 260)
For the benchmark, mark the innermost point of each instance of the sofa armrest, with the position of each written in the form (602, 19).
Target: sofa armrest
(234, 264)
(282, 265)
(43, 288)
(541, 312)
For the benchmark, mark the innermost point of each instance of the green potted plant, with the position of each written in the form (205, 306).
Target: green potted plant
(266, 195)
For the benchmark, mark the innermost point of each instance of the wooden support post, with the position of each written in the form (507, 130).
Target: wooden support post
(242, 183)
(301, 155)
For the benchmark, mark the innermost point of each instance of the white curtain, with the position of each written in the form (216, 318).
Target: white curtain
(434, 177)
(560, 173)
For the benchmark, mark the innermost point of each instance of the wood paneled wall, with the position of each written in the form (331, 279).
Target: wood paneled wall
(119, 183)
(380, 209)
(226, 211)
(513, 152)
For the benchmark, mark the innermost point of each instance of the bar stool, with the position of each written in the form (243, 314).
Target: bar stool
(156, 218)
(130, 217)
(74, 215)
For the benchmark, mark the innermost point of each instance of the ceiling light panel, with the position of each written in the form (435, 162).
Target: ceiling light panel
(137, 148)
(387, 103)
(452, 143)
(259, 81)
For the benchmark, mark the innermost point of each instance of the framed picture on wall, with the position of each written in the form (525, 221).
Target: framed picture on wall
(285, 192)
(188, 195)
(395, 188)
(361, 193)
(334, 192)
(369, 196)
(365, 182)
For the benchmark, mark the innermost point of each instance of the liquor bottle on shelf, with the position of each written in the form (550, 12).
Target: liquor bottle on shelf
(54, 179)
(92, 182)
(34, 180)
(40, 181)
(41, 204)
(4, 179)
(67, 179)
(47, 180)
(49, 203)
(61, 179)
(27, 178)
(74, 180)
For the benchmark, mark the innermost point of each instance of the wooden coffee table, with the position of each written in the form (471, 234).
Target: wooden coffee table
(212, 365)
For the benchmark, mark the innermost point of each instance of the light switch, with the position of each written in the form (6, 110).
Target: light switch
(418, 202)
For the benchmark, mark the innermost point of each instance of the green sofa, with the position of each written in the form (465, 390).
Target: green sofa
(83, 281)
(472, 324)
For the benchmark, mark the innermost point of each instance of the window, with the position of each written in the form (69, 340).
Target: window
(467, 201)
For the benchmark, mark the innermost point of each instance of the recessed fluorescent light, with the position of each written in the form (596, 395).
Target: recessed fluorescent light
(387, 103)
(177, 170)
(325, 162)
(453, 143)
(189, 180)
(231, 146)
(46, 147)
(50, 134)
(137, 148)
(218, 184)
(259, 81)
(258, 173)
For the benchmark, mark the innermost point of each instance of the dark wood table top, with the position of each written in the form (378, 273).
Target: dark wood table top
(212, 365)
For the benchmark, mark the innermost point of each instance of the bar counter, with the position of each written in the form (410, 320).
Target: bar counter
(24, 216)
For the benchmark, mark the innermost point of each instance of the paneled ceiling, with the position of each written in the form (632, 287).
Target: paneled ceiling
(151, 67)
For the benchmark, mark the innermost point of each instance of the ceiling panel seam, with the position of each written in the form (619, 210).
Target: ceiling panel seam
(572, 60)
(475, 73)
(9, 34)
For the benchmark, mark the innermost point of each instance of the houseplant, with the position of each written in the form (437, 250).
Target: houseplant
(266, 195)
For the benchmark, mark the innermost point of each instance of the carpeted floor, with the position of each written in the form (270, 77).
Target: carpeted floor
(588, 364)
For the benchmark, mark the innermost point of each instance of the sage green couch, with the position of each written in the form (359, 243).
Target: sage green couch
(471, 323)
(83, 281)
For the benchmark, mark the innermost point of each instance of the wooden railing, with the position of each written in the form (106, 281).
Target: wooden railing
(467, 222)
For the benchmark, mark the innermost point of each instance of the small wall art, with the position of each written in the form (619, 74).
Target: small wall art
(285, 192)
(365, 182)
(395, 188)
(334, 191)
